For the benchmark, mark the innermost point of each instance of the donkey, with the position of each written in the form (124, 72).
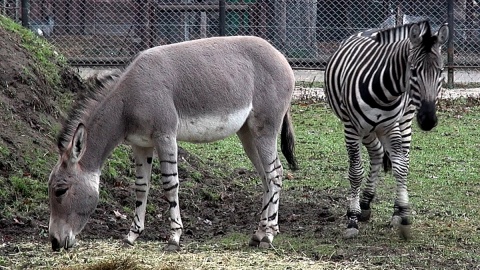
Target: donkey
(195, 91)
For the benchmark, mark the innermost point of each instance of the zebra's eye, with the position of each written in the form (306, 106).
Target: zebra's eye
(414, 72)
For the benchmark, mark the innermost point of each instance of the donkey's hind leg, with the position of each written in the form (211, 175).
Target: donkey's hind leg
(262, 151)
(143, 165)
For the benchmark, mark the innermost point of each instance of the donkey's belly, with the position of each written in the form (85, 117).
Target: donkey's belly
(209, 128)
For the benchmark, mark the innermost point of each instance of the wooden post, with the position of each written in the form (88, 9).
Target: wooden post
(25, 8)
(203, 24)
(451, 28)
(222, 18)
(281, 24)
(140, 29)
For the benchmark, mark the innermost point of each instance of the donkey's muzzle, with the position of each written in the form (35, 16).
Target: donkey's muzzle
(57, 245)
(427, 116)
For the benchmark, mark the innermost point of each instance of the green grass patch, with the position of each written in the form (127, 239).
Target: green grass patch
(47, 59)
(443, 188)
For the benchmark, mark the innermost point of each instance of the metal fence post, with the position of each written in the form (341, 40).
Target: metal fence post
(221, 18)
(25, 13)
(451, 29)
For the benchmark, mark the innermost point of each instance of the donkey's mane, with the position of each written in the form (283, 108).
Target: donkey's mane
(398, 33)
(82, 107)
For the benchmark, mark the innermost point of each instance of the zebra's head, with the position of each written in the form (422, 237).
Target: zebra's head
(426, 66)
(73, 193)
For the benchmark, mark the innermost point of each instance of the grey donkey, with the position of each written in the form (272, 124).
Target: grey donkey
(195, 91)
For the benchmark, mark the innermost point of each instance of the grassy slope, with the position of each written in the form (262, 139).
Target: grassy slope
(444, 191)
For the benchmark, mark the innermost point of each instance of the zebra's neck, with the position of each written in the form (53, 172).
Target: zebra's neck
(396, 78)
(398, 33)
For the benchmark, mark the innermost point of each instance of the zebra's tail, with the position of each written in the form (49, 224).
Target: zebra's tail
(387, 163)
(287, 141)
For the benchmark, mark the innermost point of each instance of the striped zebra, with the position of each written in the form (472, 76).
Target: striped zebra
(375, 83)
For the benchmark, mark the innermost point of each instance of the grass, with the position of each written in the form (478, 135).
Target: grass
(444, 191)
(47, 59)
(443, 186)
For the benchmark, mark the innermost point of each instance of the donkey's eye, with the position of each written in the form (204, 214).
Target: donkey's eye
(60, 192)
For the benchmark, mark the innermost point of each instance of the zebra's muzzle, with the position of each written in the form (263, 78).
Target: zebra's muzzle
(427, 116)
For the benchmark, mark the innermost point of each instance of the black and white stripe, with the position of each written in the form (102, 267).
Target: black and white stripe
(375, 83)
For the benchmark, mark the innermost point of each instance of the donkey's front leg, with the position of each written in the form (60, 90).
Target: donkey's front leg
(143, 164)
(167, 154)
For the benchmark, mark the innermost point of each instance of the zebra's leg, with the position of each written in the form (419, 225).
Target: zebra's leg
(375, 152)
(272, 184)
(167, 154)
(143, 165)
(400, 164)
(355, 176)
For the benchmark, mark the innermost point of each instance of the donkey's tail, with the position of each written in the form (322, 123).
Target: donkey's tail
(287, 141)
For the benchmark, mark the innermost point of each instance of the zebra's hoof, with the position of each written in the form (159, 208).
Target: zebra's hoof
(396, 221)
(405, 232)
(350, 233)
(365, 215)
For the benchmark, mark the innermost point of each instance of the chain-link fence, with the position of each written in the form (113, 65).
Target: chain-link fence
(108, 32)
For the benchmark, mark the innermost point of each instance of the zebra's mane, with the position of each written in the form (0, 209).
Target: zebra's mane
(398, 33)
(87, 102)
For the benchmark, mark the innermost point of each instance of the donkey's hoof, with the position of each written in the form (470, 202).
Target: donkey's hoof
(254, 243)
(265, 245)
(127, 242)
(266, 242)
(172, 247)
(365, 215)
(405, 232)
(350, 233)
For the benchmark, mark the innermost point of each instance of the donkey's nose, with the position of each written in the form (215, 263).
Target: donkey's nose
(55, 244)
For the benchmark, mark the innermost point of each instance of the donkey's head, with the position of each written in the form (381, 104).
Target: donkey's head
(73, 192)
(426, 65)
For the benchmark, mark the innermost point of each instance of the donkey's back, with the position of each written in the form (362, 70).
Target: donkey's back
(210, 86)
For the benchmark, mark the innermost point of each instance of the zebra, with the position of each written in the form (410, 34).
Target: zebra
(375, 83)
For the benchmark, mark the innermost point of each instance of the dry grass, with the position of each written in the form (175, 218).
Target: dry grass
(112, 255)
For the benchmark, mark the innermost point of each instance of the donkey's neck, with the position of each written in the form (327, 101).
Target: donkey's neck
(105, 130)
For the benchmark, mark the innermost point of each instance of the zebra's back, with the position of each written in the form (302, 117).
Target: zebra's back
(361, 81)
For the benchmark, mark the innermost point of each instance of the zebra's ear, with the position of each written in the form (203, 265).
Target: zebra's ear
(443, 34)
(414, 35)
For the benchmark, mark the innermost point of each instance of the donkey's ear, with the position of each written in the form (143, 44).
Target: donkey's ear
(442, 34)
(78, 144)
(414, 35)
